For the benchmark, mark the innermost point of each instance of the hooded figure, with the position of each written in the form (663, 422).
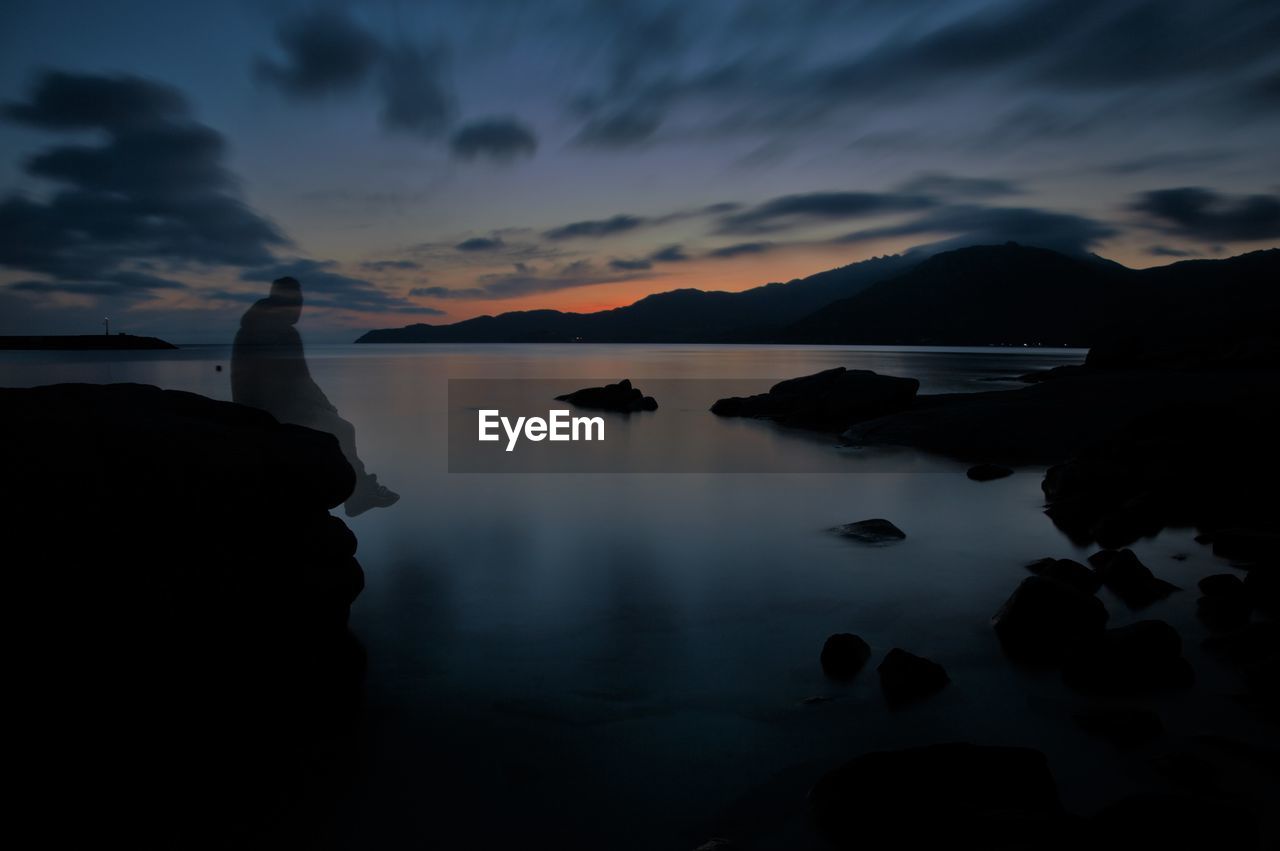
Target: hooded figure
(269, 371)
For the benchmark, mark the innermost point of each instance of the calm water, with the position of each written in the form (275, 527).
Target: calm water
(621, 661)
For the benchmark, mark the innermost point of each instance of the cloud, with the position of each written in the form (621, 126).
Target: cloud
(324, 287)
(622, 129)
(325, 51)
(502, 139)
(1204, 214)
(669, 254)
(951, 186)
(630, 265)
(414, 97)
(791, 210)
(480, 243)
(596, 228)
(1166, 161)
(153, 190)
(740, 249)
(390, 265)
(971, 224)
(1166, 251)
(525, 280)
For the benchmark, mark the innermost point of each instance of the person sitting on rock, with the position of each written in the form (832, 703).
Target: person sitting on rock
(269, 371)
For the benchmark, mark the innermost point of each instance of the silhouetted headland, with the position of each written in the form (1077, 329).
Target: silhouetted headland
(84, 342)
(186, 672)
(621, 398)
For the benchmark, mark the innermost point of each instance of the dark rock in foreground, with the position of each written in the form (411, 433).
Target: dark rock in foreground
(1226, 602)
(831, 399)
(955, 795)
(843, 655)
(1068, 572)
(1129, 578)
(1043, 618)
(1124, 727)
(1173, 821)
(621, 398)
(988, 472)
(1142, 657)
(905, 676)
(874, 531)
(186, 591)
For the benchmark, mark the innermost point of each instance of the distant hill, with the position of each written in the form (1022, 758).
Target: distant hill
(982, 295)
(1014, 294)
(677, 316)
(85, 342)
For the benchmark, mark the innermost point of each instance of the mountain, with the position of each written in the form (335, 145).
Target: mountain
(677, 316)
(982, 295)
(1014, 294)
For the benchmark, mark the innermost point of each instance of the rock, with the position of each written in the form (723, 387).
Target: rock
(620, 398)
(1221, 584)
(716, 845)
(1130, 579)
(1124, 727)
(1247, 545)
(875, 531)
(1262, 586)
(1251, 644)
(988, 472)
(200, 590)
(954, 795)
(1043, 618)
(905, 676)
(843, 655)
(1068, 572)
(1151, 820)
(1142, 657)
(830, 400)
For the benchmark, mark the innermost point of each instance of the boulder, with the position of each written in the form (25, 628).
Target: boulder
(905, 676)
(1068, 572)
(843, 655)
(1129, 578)
(988, 472)
(1158, 820)
(1142, 657)
(1124, 727)
(953, 795)
(1247, 545)
(1043, 618)
(1262, 586)
(1225, 604)
(829, 400)
(874, 531)
(1221, 584)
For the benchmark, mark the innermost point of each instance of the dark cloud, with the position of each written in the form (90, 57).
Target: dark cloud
(950, 186)
(324, 287)
(414, 96)
(630, 265)
(741, 248)
(669, 254)
(791, 210)
(325, 51)
(1204, 214)
(621, 129)
(971, 224)
(1166, 161)
(480, 243)
(596, 228)
(390, 265)
(1166, 251)
(501, 139)
(525, 280)
(154, 190)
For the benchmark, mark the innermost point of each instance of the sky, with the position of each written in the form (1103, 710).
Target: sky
(162, 162)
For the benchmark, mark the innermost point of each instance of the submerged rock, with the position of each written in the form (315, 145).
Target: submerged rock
(905, 676)
(1129, 578)
(621, 398)
(988, 472)
(874, 531)
(1135, 659)
(1043, 618)
(843, 655)
(832, 399)
(954, 795)
(1068, 572)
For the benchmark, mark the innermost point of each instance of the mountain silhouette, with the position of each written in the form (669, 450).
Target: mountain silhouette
(1006, 294)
